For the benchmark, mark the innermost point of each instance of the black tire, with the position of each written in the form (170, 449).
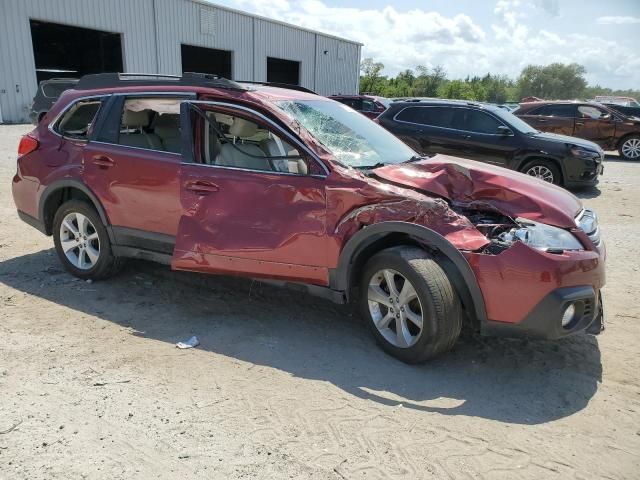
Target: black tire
(544, 164)
(107, 264)
(439, 302)
(625, 141)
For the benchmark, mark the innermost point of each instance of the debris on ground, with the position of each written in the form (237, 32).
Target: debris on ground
(191, 343)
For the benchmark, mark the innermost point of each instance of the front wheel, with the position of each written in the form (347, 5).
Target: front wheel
(630, 148)
(409, 304)
(82, 242)
(544, 170)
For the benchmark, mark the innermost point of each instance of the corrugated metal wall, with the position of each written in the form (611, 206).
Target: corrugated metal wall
(328, 65)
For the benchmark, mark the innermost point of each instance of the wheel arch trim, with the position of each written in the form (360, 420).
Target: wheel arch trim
(472, 297)
(79, 185)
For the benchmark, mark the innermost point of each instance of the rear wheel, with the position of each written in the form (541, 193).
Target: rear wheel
(409, 304)
(82, 242)
(544, 170)
(630, 148)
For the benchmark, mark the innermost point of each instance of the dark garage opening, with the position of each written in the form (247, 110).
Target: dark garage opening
(206, 60)
(65, 51)
(283, 71)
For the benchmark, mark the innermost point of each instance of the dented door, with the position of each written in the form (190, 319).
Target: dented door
(259, 224)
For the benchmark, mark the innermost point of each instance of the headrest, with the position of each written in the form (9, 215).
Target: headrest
(135, 119)
(242, 128)
(167, 126)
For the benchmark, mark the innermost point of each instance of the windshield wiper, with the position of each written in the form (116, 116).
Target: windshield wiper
(371, 167)
(415, 158)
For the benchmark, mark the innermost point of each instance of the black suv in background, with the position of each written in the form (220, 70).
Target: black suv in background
(490, 134)
(48, 92)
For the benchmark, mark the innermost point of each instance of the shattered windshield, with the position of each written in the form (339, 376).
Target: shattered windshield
(350, 136)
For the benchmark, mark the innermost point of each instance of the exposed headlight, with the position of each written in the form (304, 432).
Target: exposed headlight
(541, 236)
(587, 221)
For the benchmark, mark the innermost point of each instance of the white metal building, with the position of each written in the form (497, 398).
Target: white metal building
(41, 39)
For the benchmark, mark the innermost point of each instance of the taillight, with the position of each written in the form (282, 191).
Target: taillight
(27, 145)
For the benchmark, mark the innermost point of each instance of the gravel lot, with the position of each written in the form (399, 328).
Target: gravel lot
(288, 386)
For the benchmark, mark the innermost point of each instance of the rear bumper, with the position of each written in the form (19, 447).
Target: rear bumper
(545, 320)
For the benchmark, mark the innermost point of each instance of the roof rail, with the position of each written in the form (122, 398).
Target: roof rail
(191, 79)
(279, 85)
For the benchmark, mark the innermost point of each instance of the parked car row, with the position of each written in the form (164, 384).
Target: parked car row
(490, 134)
(591, 121)
(220, 177)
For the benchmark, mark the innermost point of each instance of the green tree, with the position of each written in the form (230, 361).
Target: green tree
(427, 82)
(370, 71)
(554, 81)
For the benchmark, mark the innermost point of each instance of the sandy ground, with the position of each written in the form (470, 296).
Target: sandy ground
(288, 386)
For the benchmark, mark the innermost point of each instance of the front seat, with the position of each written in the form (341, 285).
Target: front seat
(274, 147)
(138, 121)
(242, 155)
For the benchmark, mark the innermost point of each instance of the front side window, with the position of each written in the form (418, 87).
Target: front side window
(352, 138)
(480, 122)
(368, 105)
(78, 120)
(238, 141)
(588, 111)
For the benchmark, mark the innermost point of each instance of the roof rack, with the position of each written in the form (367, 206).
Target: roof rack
(279, 85)
(191, 79)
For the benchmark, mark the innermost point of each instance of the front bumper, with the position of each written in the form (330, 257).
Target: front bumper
(544, 321)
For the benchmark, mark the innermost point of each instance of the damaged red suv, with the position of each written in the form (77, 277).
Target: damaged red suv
(214, 176)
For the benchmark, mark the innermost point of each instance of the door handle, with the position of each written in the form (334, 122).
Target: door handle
(102, 161)
(542, 120)
(202, 187)
(580, 123)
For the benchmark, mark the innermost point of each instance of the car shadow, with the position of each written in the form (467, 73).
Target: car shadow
(514, 381)
(587, 192)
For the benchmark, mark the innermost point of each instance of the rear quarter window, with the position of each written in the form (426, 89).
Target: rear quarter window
(77, 121)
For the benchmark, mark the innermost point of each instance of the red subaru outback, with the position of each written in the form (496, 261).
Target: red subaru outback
(213, 176)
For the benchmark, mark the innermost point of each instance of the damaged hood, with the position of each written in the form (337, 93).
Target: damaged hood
(475, 184)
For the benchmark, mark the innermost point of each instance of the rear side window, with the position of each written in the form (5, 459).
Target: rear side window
(152, 123)
(431, 116)
(78, 120)
(567, 111)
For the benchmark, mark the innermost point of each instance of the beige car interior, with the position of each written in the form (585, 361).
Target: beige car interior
(245, 144)
(154, 123)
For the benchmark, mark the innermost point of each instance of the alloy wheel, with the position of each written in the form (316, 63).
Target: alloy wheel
(631, 148)
(395, 308)
(541, 172)
(79, 241)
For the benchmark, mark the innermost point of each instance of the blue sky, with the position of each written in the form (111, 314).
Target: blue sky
(470, 37)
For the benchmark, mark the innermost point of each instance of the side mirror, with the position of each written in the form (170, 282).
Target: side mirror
(504, 130)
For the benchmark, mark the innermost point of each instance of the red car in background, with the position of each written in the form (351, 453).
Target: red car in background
(219, 177)
(369, 105)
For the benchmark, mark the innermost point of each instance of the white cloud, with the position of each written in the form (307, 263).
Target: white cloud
(405, 39)
(618, 20)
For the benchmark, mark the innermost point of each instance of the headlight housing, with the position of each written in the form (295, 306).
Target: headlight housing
(541, 236)
(584, 153)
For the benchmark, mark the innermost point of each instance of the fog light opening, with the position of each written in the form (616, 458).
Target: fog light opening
(569, 315)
